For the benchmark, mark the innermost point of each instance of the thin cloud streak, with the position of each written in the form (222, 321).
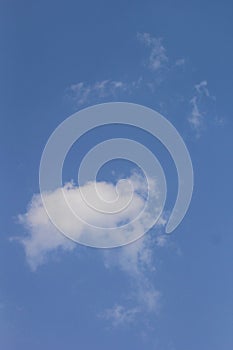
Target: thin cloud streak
(199, 103)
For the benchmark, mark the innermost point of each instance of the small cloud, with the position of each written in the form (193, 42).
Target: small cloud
(157, 57)
(180, 62)
(136, 261)
(146, 300)
(143, 300)
(200, 102)
(82, 93)
(202, 89)
(161, 240)
(119, 315)
(196, 117)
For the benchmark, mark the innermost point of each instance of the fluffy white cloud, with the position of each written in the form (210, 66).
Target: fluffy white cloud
(43, 237)
(135, 259)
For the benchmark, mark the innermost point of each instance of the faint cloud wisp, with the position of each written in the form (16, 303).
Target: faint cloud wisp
(157, 57)
(200, 103)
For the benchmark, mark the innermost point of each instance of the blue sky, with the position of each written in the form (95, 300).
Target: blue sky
(161, 292)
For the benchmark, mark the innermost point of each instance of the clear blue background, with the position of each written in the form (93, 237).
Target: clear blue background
(45, 47)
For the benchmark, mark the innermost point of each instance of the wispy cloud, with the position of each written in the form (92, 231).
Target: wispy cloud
(119, 315)
(83, 93)
(196, 116)
(180, 62)
(198, 101)
(202, 89)
(136, 260)
(158, 67)
(158, 58)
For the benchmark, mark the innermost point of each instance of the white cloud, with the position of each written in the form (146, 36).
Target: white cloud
(143, 300)
(158, 56)
(163, 67)
(201, 96)
(42, 236)
(180, 62)
(137, 257)
(82, 93)
(196, 117)
(202, 89)
(157, 61)
(136, 260)
(120, 315)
